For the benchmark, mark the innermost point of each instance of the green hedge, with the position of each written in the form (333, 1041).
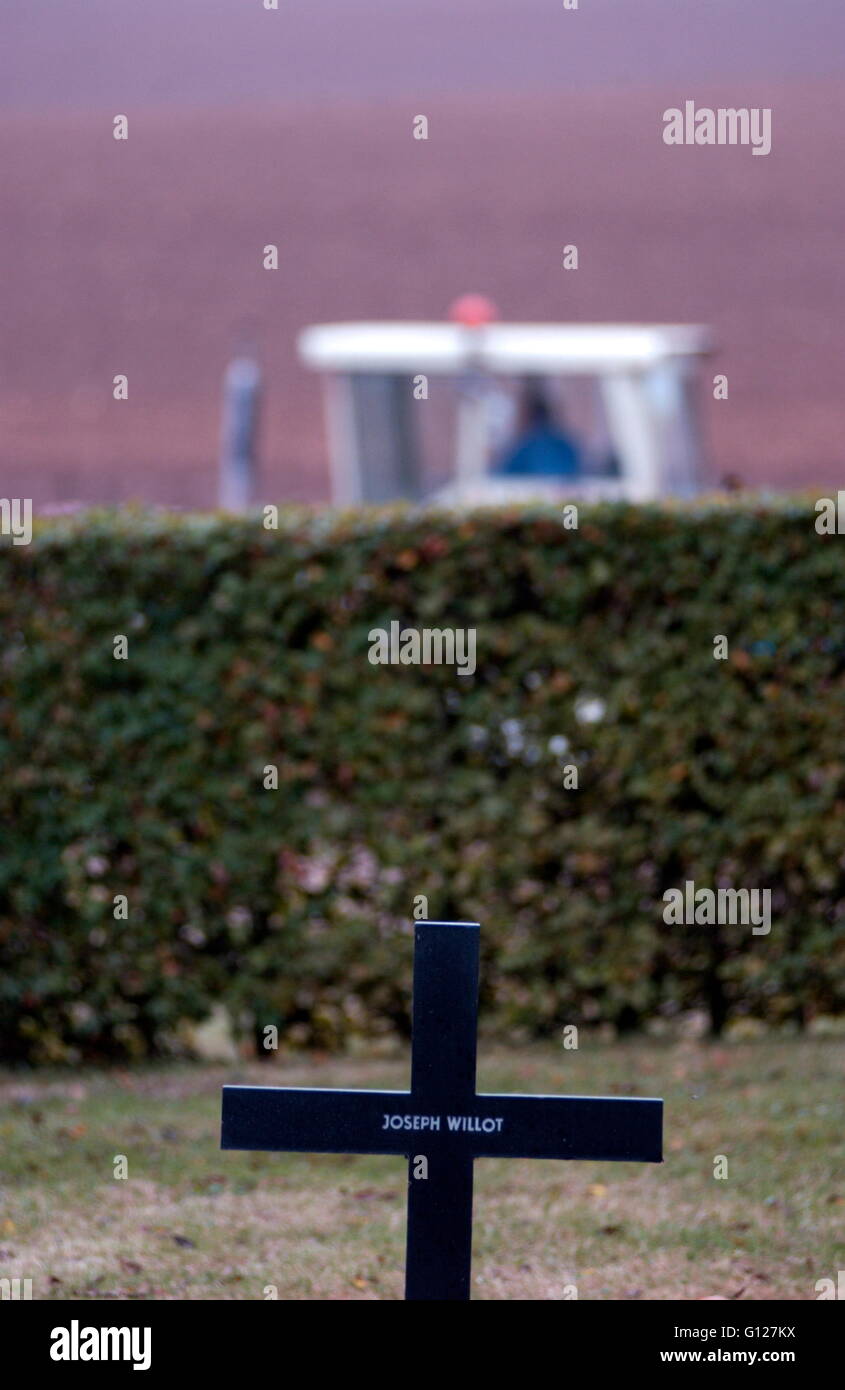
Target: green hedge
(249, 647)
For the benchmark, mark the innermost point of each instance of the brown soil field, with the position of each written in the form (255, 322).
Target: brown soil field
(144, 257)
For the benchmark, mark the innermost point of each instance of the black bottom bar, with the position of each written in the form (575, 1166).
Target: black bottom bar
(217, 1342)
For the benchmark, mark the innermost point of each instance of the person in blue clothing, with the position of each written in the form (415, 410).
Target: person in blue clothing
(542, 446)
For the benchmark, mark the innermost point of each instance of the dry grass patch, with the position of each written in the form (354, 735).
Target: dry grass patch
(192, 1222)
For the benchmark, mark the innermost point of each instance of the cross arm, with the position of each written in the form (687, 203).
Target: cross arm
(598, 1127)
(293, 1120)
(289, 1119)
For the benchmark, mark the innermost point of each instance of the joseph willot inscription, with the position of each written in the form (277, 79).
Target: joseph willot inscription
(443, 1115)
(477, 1124)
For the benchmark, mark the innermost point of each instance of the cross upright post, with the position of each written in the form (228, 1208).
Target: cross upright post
(445, 1005)
(442, 1119)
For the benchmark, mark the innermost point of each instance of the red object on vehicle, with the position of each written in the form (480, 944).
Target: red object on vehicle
(473, 310)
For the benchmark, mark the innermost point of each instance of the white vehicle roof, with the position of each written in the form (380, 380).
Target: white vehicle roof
(514, 348)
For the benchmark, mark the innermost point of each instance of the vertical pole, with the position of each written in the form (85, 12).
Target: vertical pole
(238, 432)
(471, 444)
(633, 433)
(445, 1012)
(342, 435)
(439, 1248)
(472, 424)
(445, 1019)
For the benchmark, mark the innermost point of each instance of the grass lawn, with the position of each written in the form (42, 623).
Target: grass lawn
(192, 1222)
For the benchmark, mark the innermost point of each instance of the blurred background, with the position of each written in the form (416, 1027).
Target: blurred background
(270, 807)
(294, 127)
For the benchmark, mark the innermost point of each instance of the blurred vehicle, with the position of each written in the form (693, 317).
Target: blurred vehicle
(508, 403)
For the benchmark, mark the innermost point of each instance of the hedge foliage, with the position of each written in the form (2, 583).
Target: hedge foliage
(248, 648)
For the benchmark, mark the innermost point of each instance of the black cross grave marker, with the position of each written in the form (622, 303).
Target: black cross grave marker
(442, 1118)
